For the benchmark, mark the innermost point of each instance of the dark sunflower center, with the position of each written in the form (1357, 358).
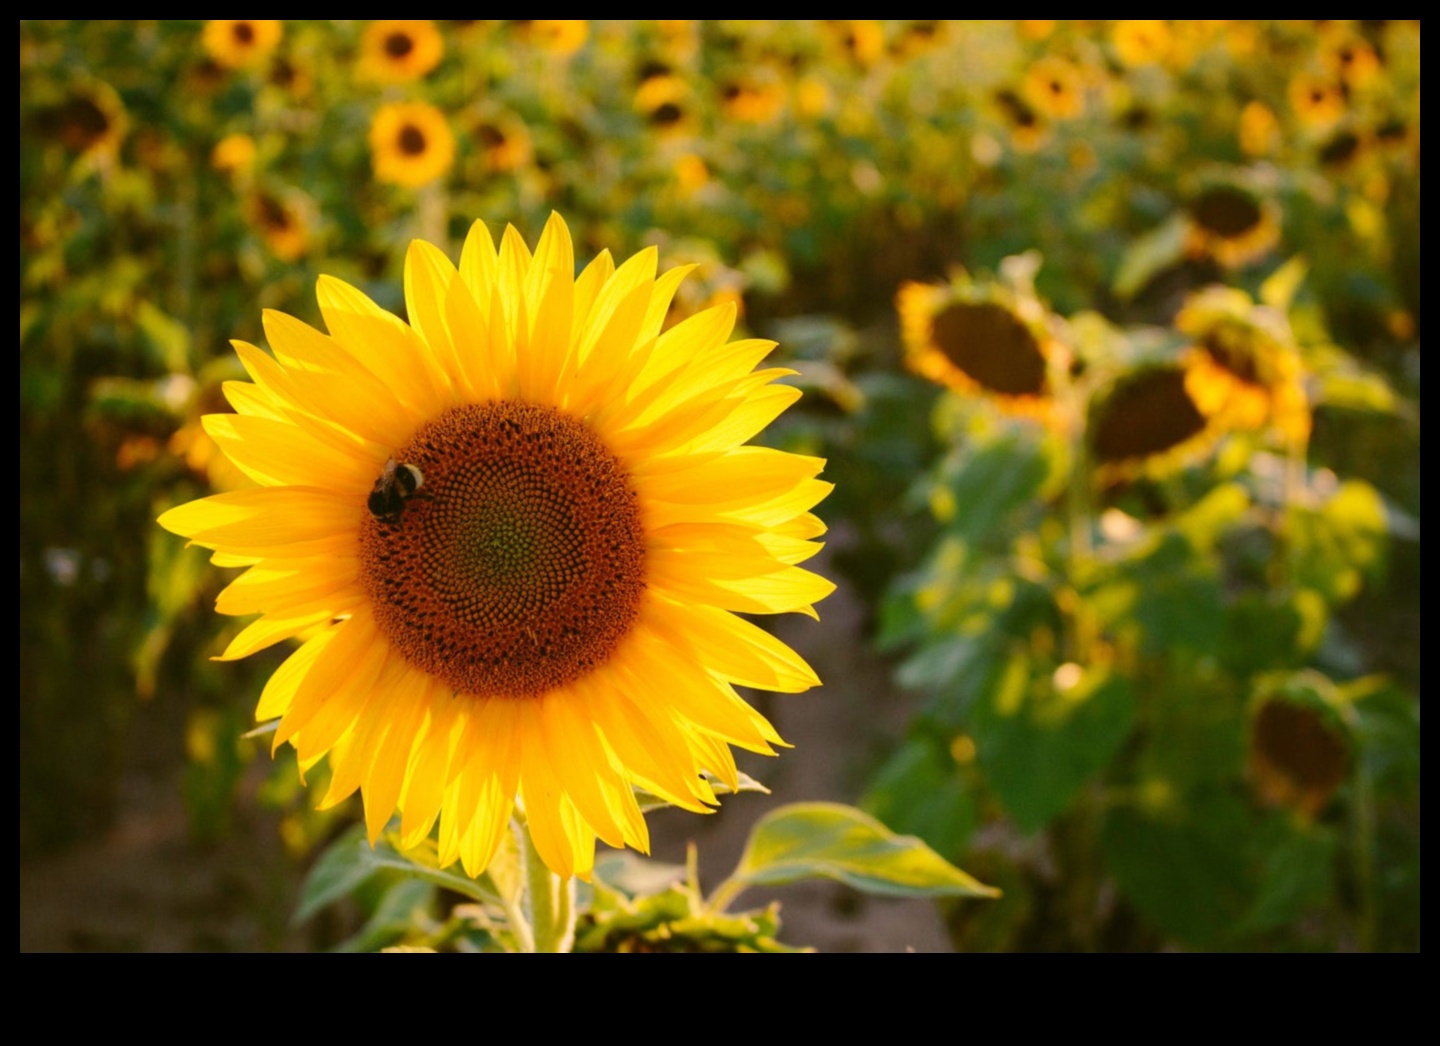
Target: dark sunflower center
(82, 122)
(243, 32)
(1226, 211)
(398, 45)
(666, 114)
(989, 343)
(272, 213)
(519, 564)
(1230, 348)
(411, 140)
(1295, 740)
(1148, 414)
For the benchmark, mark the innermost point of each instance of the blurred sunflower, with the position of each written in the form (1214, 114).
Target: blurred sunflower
(1299, 754)
(1232, 223)
(233, 155)
(979, 341)
(665, 102)
(400, 50)
(1259, 130)
(1317, 102)
(562, 36)
(1055, 87)
(410, 143)
(754, 97)
(860, 41)
(1027, 129)
(240, 43)
(1147, 422)
(1141, 41)
(1352, 61)
(523, 527)
(1242, 369)
(282, 221)
(90, 122)
(504, 142)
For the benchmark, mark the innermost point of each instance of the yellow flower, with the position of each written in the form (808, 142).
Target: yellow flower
(504, 142)
(1148, 421)
(1056, 87)
(1243, 369)
(1259, 131)
(282, 222)
(240, 43)
(400, 50)
(978, 341)
(755, 98)
(664, 101)
(1141, 41)
(1317, 102)
(89, 122)
(233, 154)
(523, 524)
(1027, 129)
(410, 143)
(562, 36)
(861, 41)
(1232, 224)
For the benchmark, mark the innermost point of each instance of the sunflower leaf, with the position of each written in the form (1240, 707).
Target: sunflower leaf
(833, 841)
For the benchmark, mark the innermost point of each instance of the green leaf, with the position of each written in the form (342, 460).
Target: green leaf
(340, 870)
(1151, 254)
(1039, 745)
(919, 792)
(404, 907)
(833, 841)
(1186, 872)
(167, 336)
(350, 861)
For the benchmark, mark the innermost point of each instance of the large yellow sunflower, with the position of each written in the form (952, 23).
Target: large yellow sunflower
(524, 523)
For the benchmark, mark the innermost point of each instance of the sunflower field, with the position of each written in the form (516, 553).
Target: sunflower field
(510, 370)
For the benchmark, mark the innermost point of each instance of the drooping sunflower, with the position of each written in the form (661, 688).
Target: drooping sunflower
(1243, 368)
(410, 143)
(90, 122)
(665, 102)
(240, 43)
(1299, 753)
(400, 50)
(523, 524)
(1148, 422)
(1027, 127)
(1232, 223)
(980, 340)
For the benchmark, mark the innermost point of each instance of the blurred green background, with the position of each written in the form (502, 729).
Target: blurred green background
(1110, 333)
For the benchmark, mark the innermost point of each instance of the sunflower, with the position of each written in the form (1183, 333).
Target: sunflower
(282, 220)
(979, 341)
(410, 143)
(523, 526)
(755, 97)
(561, 36)
(400, 50)
(1027, 128)
(1318, 102)
(1232, 224)
(1259, 130)
(664, 101)
(1243, 368)
(1055, 87)
(1299, 754)
(240, 43)
(233, 155)
(504, 142)
(90, 122)
(1148, 421)
(1141, 41)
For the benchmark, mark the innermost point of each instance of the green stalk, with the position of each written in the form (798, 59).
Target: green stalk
(551, 901)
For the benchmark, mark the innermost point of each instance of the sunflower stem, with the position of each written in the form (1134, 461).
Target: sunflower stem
(552, 901)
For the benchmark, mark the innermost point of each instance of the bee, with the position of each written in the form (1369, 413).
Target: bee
(397, 484)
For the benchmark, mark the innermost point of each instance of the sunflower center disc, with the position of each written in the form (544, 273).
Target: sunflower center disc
(990, 344)
(519, 564)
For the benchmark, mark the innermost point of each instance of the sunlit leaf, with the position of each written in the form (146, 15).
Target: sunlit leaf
(832, 841)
